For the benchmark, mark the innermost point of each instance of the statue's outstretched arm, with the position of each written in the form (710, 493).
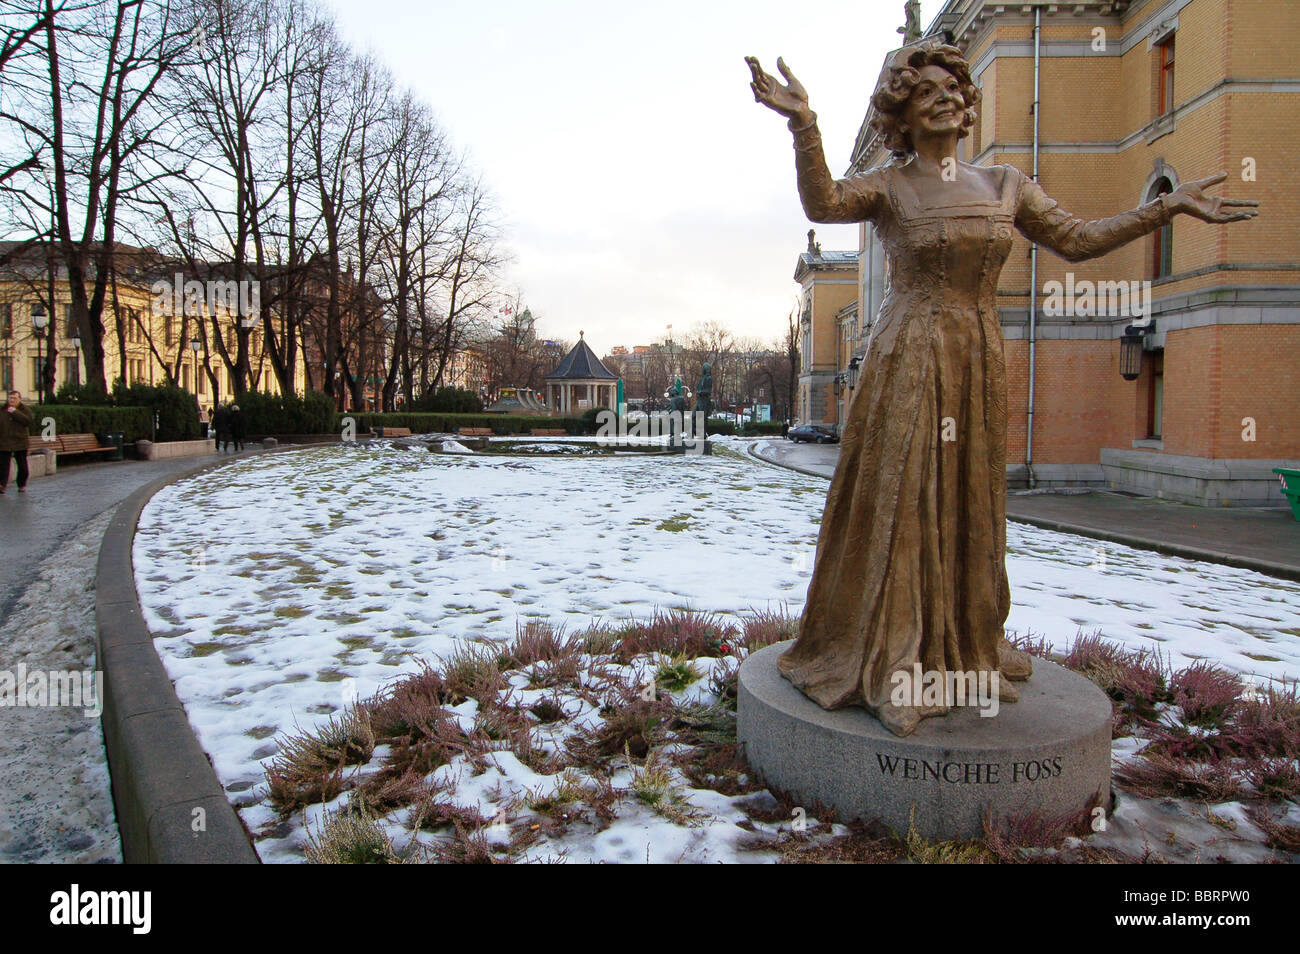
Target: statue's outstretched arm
(1041, 219)
(825, 199)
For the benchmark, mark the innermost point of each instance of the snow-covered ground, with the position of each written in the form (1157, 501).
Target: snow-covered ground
(285, 586)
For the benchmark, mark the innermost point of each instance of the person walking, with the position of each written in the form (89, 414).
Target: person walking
(237, 426)
(221, 426)
(14, 422)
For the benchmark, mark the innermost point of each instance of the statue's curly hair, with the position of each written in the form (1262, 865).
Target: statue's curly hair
(900, 77)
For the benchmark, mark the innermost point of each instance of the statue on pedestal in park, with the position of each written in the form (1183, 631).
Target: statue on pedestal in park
(911, 555)
(704, 397)
(677, 415)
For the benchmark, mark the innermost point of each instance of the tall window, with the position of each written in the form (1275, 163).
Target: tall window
(69, 326)
(6, 375)
(1156, 395)
(1166, 91)
(1162, 241)
(6, 322)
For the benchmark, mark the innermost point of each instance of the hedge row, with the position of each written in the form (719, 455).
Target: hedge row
(287, 413)
(135, 423)
(448, 423)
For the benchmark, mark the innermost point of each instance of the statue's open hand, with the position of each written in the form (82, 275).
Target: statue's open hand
(790, 101)
(1189, 198)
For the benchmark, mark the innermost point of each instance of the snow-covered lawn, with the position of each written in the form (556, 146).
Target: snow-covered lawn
(283, 587)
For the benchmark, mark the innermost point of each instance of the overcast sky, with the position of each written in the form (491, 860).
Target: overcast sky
(640, 183)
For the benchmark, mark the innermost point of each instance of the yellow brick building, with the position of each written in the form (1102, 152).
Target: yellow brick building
(145, 341)
(1135, 97)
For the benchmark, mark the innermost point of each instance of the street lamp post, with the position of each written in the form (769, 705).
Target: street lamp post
(39, 321)
(76, 360)
(194, 346)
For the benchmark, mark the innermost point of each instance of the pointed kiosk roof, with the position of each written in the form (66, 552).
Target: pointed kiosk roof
(581, 364)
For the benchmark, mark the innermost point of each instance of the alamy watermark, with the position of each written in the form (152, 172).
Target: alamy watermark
(24, 688)
(683, 429)
(939, 687)
(1089, 299)
(196, 298)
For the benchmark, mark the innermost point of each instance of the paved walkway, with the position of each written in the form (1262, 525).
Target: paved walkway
(1266, 539)
(35, 523)
(55, 800)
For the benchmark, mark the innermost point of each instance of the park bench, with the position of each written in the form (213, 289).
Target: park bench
(1290, 480)
(383, 431)
(67, 445)
(548, 432)
(474, 431)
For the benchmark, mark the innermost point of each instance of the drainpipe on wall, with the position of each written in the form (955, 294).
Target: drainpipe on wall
(1033, 276)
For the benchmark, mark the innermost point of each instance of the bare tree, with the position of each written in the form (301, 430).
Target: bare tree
(95, 124)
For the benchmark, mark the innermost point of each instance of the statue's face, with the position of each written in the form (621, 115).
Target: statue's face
(936, 105)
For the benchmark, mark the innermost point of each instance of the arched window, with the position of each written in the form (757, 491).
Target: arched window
(1162, 242)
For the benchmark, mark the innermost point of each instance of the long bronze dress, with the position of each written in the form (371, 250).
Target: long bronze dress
(911, 555)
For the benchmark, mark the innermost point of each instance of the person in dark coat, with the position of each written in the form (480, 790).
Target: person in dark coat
(221, 426)
(237, 426)
(14, 422)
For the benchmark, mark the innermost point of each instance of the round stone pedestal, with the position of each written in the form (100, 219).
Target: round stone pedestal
(1048, 754)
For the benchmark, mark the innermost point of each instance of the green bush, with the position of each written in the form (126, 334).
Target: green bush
(760, 428)
(719, 425)
(448, 401)
(82, 395)
(176, 411)
(135, 423)
(286, 413)
(590, 417)
(448, 423)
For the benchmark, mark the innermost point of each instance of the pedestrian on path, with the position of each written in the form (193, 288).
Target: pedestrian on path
(237, 426)
(14, 422)
(221, 426)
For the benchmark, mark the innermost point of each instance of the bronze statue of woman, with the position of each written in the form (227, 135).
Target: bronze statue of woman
(911, 555)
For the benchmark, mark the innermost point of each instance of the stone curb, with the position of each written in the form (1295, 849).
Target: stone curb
(1266, 567)
(776, 463)
(163, 784)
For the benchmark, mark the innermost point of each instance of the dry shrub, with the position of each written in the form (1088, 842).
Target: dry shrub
(1034, 645)
(765, 627)
(722, 769)
(1268, 723)
(1207, 694)
(467, 846)
(1017, 838)
(471, 672)
(418, 755)
(1277, 834)
(723, 682)
(634, 727)
(865, 844)
(1158, 775)
(308, 768)
(678, 633)
(537, 641)
(350, 836)
(1136, 678)
(410, 706)
(1274, 778)
(598, 640)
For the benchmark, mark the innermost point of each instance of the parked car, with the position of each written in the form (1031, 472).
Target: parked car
(815, 433)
